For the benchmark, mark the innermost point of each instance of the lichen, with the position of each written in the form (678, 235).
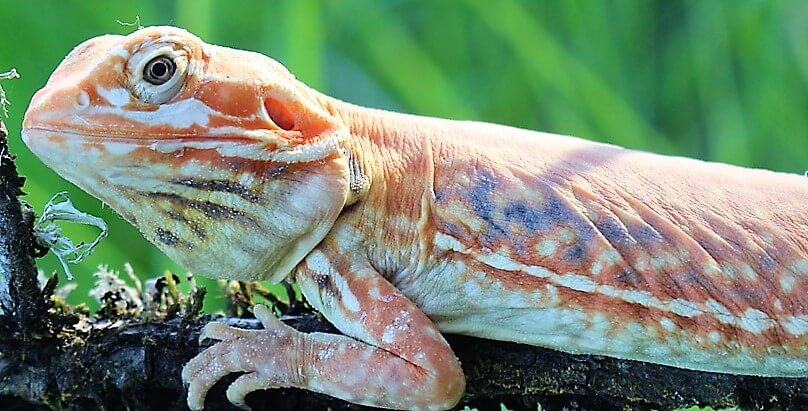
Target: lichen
(49, 235)
(8, 75)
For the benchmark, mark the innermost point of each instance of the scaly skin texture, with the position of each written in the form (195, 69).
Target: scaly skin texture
(398, 227)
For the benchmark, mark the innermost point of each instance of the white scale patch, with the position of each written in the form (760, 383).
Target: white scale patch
(596, 268)
(261, 134)
(748, 272)
(400, 324)
(252, 151)
(796, 325)
(120, 52)
(83, 100)
(722, 313)
(116, 96)
(667, 324)
(576, 282)
(683, 308)
(800, 267)
(547, 247)
(755, 321)
(787, 282)
(447, 242)
(499, 261)
(119, 148)
(712, 269)
(182, 114)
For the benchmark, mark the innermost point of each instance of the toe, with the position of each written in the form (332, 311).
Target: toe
(208, 367)
(244, 385)
(219, 331)
(267, 318)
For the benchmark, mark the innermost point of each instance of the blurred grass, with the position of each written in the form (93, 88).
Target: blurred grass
(724, 81)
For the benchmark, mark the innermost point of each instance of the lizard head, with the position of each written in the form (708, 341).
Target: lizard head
(218, 156)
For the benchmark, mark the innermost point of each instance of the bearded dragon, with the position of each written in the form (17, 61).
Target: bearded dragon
(399, 228)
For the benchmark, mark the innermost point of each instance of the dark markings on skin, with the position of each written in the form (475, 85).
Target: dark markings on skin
(553, 213)
(440, 194)
(755, 297)
(621, 241)
(767, 263)
(358, 179)
(452, 229)
(753, 293)
(645, 235)
(529, 217)
(209, 209)
(688, 275)
(556, 212)
(696, 280)
(708, 246)
(129, 217)
(219, 185)
(685, 278)
(196, 228)
(630, 278)
(480, 199)
(613, 231)
(274, 171)
(324, 283)
(576, 252)
(166, 237)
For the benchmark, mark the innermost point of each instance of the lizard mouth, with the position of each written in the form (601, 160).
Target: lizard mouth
(257, 145)
(33, 134)
(56, 147)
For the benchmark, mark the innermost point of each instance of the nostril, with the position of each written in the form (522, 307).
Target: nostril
(83, 100)
(279, 114)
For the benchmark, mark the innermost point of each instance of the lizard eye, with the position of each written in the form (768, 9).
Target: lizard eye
(157, 73)
(159, 70)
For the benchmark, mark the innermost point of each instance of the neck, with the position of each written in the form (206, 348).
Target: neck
(387, 144)
(383, 127)
(396, 152)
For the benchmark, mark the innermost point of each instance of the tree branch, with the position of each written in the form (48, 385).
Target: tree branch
(20, 297)
(137, 366)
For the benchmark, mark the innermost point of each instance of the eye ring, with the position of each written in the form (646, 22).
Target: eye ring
(159, 70)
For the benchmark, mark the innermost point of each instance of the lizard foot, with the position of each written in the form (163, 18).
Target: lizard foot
(268, 358)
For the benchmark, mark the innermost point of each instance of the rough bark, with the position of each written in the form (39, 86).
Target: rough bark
(20, 297)
(137, 366)
(47, 362)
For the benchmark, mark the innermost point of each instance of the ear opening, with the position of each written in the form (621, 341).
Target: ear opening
(279, 113)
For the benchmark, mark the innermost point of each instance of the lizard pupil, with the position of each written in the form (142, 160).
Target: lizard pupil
(159, 70)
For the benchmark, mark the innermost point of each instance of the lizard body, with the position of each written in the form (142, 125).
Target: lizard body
(400, 227)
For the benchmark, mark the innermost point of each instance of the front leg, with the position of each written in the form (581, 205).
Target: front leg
(393, 356)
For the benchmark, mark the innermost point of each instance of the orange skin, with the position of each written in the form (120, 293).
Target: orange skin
(401, 227)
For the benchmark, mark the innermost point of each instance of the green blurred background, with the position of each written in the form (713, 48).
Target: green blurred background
(724, 81)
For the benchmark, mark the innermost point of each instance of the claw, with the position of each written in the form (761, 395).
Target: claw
(195, 402)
